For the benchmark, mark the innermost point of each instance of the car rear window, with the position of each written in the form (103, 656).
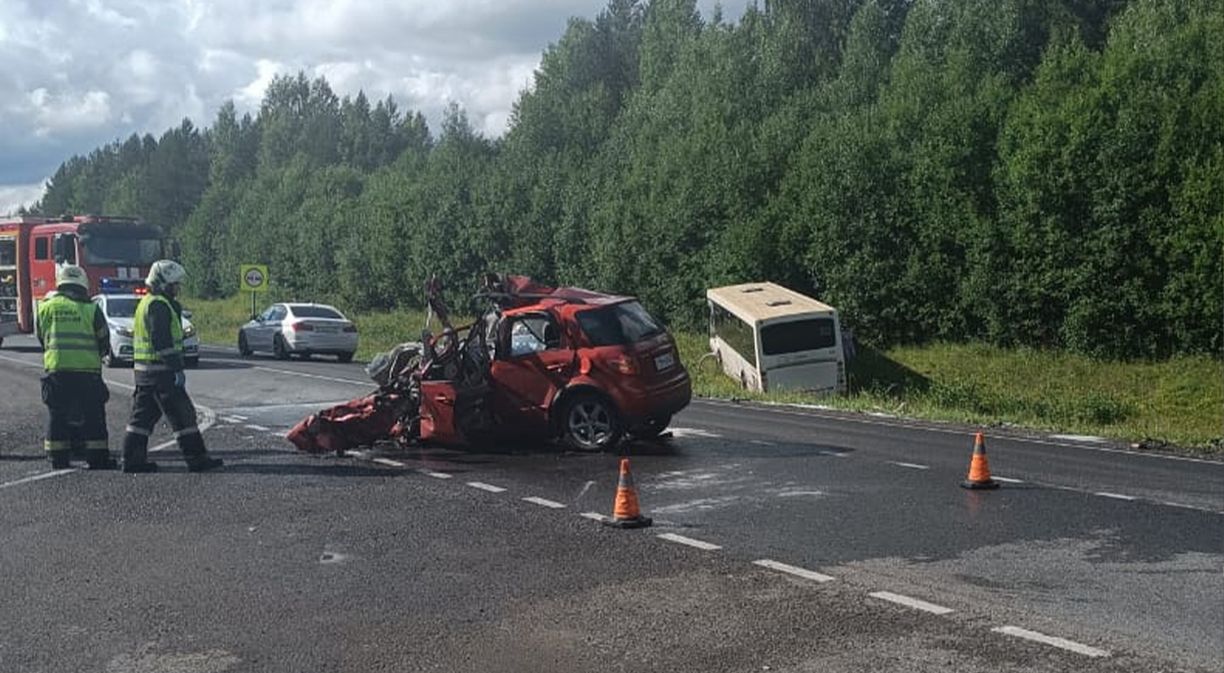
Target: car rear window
(798, 336)
(316, 312)
(121, 308)
(619, 324)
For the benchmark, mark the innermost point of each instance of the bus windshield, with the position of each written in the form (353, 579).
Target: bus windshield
(103, 249)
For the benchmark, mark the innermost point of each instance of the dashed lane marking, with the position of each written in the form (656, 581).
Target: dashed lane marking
(794, 570)
(1007, 480)
(388, 461)
(594, 516)
(252, 426)
(486, 487)
(290, 372)
(912, 466)
(1115, 496)
(435, 475)
(542, 502)
(1061, 643)
(680, 539)
(694, 432)
(911, 602)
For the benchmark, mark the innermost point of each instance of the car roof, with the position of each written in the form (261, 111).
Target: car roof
(299, 304)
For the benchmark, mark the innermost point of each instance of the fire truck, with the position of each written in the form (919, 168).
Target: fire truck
(115, 252)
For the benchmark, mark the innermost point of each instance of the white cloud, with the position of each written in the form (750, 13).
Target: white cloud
(13, 197)
(79, 73)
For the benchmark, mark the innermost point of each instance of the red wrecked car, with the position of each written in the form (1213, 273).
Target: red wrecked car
(567, 363)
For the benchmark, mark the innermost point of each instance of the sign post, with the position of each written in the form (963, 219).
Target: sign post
(253, 278)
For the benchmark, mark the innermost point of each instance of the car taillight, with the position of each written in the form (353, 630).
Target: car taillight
(624, 365)
(352, 329)
(301, 327)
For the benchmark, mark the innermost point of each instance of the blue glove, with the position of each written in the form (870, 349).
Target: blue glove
(180, 380)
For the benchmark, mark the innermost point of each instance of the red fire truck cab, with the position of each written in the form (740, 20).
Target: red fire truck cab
(115, 252)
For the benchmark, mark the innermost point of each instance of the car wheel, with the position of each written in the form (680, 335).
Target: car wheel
(279, 349)
(109, 359)
(344, 357)
(651, 428)
(192, 363)
(590, 423)
(244, 349)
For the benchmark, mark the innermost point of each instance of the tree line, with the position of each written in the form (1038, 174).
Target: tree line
(1046, 173)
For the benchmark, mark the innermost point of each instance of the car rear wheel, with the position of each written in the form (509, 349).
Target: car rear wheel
(590, 423)
(279, 349)
(109, 358)
(244, 349)
(651, 428)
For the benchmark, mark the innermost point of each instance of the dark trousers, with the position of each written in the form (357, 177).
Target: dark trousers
(154, 397)
(76, 419)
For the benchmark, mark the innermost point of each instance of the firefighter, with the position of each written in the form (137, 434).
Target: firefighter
(74, 335)
(161, 385)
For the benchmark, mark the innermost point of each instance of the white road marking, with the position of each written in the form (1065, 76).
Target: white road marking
(544, 503)
(794, 570)
(911, 602)
(759, 442)
(241, 418)
(1061, 643)
(486, 487)
(388, 461)
(797, 410)
(38, 477)
(694, 432)
(435, 475)
(914, 466)
(1081, 438)
(1115, 496)
(1006, 480)
(594, 516)
(252, 426)
(672, 537)
(231, 419)
(835, 454)
(364, 384)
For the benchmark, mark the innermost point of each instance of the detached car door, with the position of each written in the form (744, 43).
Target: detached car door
(533, 363)
(438, 412)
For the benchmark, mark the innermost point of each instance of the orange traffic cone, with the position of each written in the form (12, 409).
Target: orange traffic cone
(625, 511)
(979, 467)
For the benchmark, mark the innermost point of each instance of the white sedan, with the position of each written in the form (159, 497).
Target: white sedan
(299, 329)
(120, 310)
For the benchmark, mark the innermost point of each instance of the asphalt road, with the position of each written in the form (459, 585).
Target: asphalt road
(799, 540)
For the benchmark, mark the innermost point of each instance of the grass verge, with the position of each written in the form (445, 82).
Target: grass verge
(1178, 401)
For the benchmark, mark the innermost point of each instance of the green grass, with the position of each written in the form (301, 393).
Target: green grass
(1178, 401)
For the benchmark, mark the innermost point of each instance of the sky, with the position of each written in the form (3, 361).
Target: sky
(77, 74)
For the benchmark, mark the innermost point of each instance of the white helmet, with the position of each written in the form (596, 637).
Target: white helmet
(165, 272)
(71, 274)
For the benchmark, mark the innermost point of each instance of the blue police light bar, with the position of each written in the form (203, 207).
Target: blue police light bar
(120, 286)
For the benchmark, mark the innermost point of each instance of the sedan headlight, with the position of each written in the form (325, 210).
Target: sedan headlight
(123, 332)
(188, 331)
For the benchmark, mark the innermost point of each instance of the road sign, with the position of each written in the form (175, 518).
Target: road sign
(253, 277)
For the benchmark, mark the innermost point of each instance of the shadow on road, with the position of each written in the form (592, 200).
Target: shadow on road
(221, 364)
(22, 349)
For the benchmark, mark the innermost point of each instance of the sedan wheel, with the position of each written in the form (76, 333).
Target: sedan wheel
(590, 423)
(279, 349)
(244, 349)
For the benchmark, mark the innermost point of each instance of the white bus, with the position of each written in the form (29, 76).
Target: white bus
(770, 338)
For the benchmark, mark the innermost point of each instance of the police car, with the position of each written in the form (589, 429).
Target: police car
(120, 310)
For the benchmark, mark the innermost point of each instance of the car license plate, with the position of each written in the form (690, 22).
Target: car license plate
(664, 361)
(326, 330)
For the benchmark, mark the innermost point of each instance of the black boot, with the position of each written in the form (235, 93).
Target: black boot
(100, 459)
(60, 460)
(136, 468)
(203, 463)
